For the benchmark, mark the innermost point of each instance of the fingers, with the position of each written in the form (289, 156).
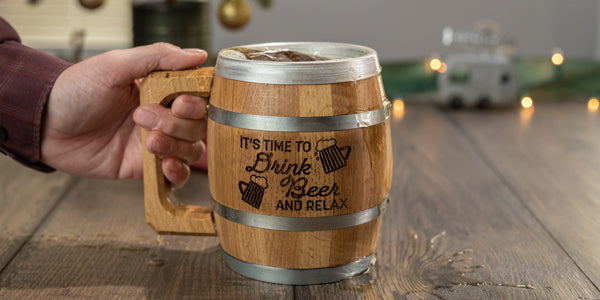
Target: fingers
(178, 155)
(166, 146)
(140, 61)
(175, 134)
(175, 171)
(185, 120)
(189, 107)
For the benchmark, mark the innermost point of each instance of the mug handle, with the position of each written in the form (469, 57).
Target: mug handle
(163, 212)
(346, 149)
(244, 185)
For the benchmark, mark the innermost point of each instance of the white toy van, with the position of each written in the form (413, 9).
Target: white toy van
(481, 74)
(478, 80)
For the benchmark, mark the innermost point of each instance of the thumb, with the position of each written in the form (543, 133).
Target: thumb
(134, 63)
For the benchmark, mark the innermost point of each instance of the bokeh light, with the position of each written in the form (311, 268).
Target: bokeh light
(443, 68)
(526, 102)
(435, 64)
(593, 105)
(398, 108)
(558, 56)
(557, 59)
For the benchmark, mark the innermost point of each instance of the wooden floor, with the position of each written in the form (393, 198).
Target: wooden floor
(497, 204)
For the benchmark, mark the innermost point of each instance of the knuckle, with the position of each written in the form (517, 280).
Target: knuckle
(168, 125)
(197, 133)
(160, 144)
(151, 142)
(198, 151)
(113, 54)
(189, 152)
(177, 173)
(180, 107)
(165, 46)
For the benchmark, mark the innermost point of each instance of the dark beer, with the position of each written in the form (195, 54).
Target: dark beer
(282, 55)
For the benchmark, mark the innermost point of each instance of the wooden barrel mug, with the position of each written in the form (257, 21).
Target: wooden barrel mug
(299, 161)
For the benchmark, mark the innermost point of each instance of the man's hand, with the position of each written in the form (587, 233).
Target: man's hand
(93, 118)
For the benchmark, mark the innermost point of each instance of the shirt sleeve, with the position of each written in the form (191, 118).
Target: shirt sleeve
(26, 79)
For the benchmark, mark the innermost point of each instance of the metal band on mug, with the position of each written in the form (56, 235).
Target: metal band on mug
(346, 62)
(299, 223)
(300, 124)
(299, 276)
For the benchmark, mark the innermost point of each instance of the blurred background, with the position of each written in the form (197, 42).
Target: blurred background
(406, 34)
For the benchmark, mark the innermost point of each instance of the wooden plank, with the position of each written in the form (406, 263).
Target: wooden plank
(26, 197)
(448, 205)
(551, 160)
(97, 245)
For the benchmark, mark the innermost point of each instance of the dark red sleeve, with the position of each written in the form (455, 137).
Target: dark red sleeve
(26, 78)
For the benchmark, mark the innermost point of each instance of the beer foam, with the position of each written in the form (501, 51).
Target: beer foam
(262, 181)
(233, 54)
(268, 54)
(324, 144)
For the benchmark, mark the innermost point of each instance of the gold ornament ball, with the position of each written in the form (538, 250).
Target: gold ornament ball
(234, 13)
(91, 4)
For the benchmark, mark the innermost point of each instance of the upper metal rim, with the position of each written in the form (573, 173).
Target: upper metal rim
(348, 63)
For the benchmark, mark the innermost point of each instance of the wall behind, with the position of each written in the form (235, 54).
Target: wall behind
(412, 28)
(397, 29)
(49, 24)
(598, 33)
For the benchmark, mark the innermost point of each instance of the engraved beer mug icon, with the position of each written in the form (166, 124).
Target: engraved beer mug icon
(252, 192)
(331, 156)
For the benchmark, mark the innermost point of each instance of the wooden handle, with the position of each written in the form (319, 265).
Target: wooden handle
(346, 149)
(163, 212)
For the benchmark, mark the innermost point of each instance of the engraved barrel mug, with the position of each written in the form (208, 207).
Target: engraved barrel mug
(299, 159)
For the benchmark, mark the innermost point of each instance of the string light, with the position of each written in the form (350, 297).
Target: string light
(558, 57)
(398, 108)
(443, 68)
(526, 102)
(593, 105)
(435, 64)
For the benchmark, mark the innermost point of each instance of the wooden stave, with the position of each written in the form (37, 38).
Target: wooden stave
(243, 242)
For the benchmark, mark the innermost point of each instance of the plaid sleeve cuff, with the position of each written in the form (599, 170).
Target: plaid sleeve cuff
(26, 79)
